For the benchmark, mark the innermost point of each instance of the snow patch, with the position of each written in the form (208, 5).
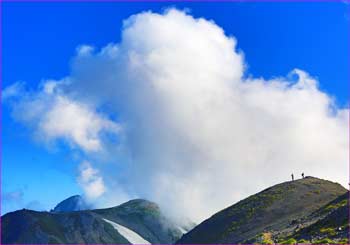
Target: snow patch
(182, 230)
(128, 234)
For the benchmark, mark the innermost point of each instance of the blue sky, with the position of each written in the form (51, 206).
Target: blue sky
(40, 39)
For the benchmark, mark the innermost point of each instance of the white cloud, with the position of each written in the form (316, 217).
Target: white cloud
(77, 123)
(50, 86)
(84, 50)
(56, 116)
(199, 136)
(91, 181)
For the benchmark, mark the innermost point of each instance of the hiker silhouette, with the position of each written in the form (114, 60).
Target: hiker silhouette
(292, 177)
(302, 175)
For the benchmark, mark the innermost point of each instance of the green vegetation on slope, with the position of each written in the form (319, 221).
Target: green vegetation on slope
(270, 216)
(329, 224)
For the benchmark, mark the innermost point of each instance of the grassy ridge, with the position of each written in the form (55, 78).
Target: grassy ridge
(269, 216)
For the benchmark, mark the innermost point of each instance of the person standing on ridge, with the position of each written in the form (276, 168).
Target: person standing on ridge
(292, 177)
(302, 175)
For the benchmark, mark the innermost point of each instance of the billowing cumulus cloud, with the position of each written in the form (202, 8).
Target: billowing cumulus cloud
(197, 135)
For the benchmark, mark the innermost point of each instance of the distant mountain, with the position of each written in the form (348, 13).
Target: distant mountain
(132, 222)
(308, 209)
(73, 203)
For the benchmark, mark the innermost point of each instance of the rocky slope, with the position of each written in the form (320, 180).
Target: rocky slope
(273, 215)
(329, 224)
(139, 217)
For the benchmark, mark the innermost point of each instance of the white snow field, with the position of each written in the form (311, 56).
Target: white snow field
(128, 234)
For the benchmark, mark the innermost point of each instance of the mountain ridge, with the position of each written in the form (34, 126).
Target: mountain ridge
(308, 210)
(88, 226)
(274, 211)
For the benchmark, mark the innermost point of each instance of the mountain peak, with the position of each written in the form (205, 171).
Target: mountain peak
(140, 203)
(73, 203)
